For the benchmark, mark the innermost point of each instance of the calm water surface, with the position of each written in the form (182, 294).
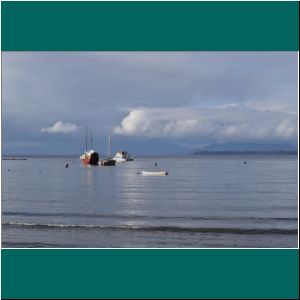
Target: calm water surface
(206, 201)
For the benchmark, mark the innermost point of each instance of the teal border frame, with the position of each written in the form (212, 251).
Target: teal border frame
(150, 274)
(150, 26)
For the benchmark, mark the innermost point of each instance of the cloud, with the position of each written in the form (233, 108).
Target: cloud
(228, 123)
(60, 127)
(186, 94)
(280, 106)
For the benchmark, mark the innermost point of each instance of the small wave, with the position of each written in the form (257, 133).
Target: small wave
(10, 244)
(116, 216)
(175, 229)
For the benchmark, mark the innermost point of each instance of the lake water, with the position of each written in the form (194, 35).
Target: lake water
(205, 201)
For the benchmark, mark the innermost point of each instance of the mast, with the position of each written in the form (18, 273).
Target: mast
(109, 146)
(91, 140)
(86, 138)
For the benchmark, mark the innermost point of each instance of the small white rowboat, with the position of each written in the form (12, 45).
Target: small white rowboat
(154, 173)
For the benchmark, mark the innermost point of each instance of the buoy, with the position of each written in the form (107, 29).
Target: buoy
(155, 164)
(67, 165)
(245, 162)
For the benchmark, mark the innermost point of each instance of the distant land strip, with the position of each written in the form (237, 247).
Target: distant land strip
(14, 158)
(245, 152)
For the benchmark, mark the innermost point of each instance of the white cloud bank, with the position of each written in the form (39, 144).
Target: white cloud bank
(234, 122)
(60, 127)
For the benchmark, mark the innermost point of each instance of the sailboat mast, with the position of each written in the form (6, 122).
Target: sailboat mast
(109, 146)
(86, 138)
(91, 140)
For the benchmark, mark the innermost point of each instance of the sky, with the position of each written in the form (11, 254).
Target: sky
(149, 102)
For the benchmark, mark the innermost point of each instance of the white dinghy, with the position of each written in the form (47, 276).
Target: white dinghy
(155, 173)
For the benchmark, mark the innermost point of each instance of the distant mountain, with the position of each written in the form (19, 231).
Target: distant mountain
(248, 148)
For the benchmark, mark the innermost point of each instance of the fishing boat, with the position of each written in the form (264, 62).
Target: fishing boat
(122, 156)
(89, 157)
(108, 161)
(155, 173)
